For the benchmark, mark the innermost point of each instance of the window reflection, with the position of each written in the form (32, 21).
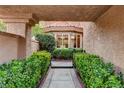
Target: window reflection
(73, 41)
(65, 41)
(68, 40)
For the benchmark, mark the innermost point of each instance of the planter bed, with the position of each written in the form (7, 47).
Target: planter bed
(25, 73)
(94, 73)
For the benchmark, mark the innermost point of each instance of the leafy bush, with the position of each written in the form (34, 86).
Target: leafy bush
(37, 29)
(65, 53)
(2, 26)
(47, 42)
(24, 73)
(94, 72)
(120, 77)
(76, 50)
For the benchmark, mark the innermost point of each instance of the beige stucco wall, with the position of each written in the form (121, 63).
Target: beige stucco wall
(16, 28)
(105, 37)
(8, 48)
(34, 46)
(11, 47)
(21, 47)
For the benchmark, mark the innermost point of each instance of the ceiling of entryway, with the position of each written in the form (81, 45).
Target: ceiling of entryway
(58, 12)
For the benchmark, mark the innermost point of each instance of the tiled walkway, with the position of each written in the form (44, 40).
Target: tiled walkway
(61, 78)
(62, 63)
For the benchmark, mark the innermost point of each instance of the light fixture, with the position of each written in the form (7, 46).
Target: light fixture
(72, 37)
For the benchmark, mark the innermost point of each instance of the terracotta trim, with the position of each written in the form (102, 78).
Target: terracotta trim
(65, 31)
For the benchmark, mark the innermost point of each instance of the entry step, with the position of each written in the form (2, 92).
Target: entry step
(62, 64)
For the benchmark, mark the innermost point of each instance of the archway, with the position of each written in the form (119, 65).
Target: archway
(66, 36)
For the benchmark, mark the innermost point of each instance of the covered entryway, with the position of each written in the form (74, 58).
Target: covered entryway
(103, 28)
(20, 19)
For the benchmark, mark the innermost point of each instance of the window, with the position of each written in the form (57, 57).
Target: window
(73, 41)
(78, 41)
(68, 40)
(65, 41)
(59, 41)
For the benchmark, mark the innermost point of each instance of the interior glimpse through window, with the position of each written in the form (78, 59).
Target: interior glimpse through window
(68, 40)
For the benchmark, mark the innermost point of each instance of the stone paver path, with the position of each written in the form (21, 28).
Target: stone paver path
(61, 78)
(62, 63)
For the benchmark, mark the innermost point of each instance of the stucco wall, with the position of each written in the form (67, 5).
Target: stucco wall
(21, 48)
(8, 48)
(105, 37)
(16, 28)
(34, 46)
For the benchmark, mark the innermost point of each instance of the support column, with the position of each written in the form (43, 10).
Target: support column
(55, 35)
(28, 41)
(21, 48)
(69, 41)
(20, 25)
(76, 41)
(81, 41)
(62, 40)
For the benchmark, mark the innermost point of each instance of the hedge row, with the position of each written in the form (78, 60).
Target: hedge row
(24, 73)
(65, 53)
(95, 73)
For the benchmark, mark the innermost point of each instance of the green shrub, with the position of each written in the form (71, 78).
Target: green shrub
(2, 26)
(24, 73)
(47, 42)
(65, 53)
(76, 50)
(37, 29)
(120, 77)
(94, 72)
(113, 82)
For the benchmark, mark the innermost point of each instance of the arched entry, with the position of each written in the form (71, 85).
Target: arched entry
(66, 36)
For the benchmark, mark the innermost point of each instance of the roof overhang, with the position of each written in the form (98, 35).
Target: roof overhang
(58, 12)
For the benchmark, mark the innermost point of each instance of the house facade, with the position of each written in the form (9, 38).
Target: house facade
(67, 34)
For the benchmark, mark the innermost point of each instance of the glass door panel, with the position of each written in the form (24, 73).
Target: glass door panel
(68, 40)
(65, 40)
(59, 40)
(78, 41)
(73, 41)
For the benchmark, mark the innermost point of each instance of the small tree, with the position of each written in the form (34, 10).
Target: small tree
(46, 41)
(2, 26)
(37, 29)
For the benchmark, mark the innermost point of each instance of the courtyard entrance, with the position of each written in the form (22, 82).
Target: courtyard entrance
(92, 36)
